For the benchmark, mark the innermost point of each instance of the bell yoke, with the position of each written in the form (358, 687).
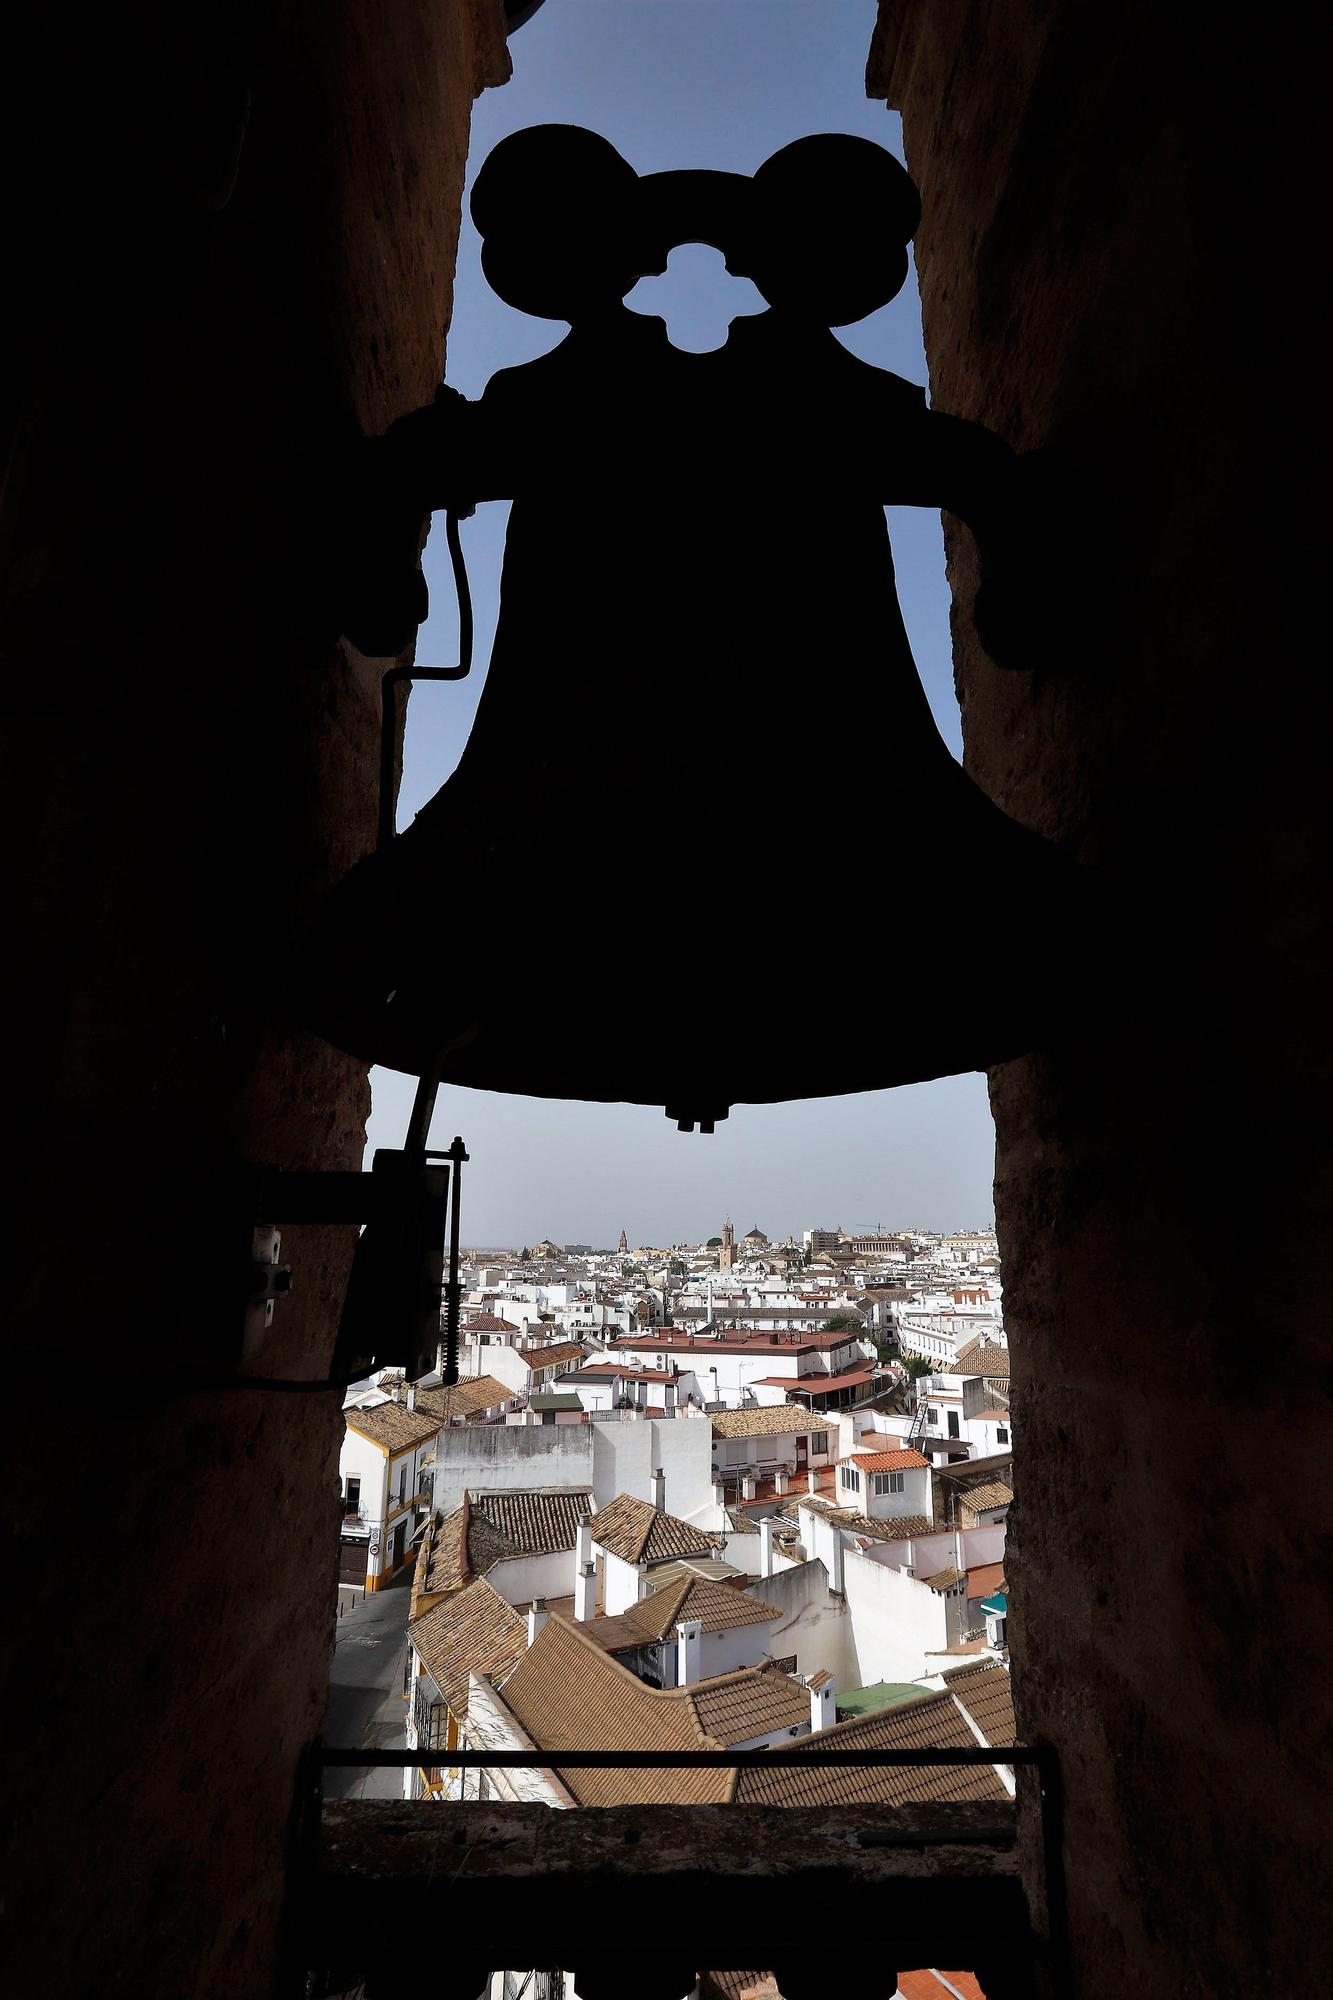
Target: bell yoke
(697, 574)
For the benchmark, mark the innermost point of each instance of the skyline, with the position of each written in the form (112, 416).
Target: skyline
(729, 86)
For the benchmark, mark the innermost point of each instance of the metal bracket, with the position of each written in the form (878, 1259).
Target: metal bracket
(392, 1308)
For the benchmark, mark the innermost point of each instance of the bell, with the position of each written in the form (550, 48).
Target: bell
(702, 719)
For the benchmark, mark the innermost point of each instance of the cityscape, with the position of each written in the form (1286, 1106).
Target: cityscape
(731, 1495)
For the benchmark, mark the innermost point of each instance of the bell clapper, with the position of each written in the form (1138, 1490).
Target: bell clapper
(706, 1120)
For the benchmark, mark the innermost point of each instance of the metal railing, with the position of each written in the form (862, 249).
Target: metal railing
(430, 1720)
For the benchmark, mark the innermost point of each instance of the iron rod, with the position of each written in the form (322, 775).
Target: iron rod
(676, 1760)
(395, 675)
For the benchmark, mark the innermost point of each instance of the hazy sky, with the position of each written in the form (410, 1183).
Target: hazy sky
(686, 83)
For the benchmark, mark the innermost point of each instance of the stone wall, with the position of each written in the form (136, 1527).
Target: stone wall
(1116, 220)
(232, 247)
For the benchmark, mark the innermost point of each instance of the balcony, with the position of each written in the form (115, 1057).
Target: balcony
(430, 1717)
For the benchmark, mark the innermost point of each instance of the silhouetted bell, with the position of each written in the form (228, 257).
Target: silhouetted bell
(702, 722)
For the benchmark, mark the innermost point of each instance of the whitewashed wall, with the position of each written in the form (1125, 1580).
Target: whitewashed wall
(895, 1620)
(737, 1646)
(510, 1459)
(931, 1553)
(620, 1588)
(524, 1577)
(490, 1726)
(625, 1456)
(814, 1624)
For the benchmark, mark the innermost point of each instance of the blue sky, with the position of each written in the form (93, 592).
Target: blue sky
(685, 83)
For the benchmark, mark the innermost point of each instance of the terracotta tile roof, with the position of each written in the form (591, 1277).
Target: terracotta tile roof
(488, 1323)
(601, 1371)
(717, 1606)
(492, 1527)
(976, 1471)
(898, 1460)
(984, 1579)
(819, 1680)
(905, 1527)
(534, 1523)
(916, 1724)
(982, 1357)
(557, 1355)
(567, 1694)
(639, 1532)
(738, 1986)
(613, 1631)
(988, 1493)
(739, 1522)
(896, 1530)
(998, 1405)
(986, 1692)
(442, 1560)
(822, 1385)
(392, 1426)
(469, 1395)
(716, 1568)
(752, 1702)
(474, 1630)
(779, 1420)
(927, 1984)
(944, 1579)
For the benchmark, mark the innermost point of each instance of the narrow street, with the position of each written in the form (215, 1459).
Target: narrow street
(366, 1706)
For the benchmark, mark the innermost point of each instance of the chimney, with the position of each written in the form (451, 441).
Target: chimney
(688, 1650)
(537, 1617)
(766, 1546)
(585, 1593)
(583, 1549)
(959, 1559)
(411, 1395)
(747, 1483)
(907, 1565)
(781, 1480)
(659, 1489)
(823, 1704)
(812, 1481)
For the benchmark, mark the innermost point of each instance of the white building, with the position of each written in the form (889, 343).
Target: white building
(884, 1485)
(567, 1686)
(826, 1371)
(770, 1448)
(385, 1469)
(623, 1544)
(687, 1629)
(608, 1458)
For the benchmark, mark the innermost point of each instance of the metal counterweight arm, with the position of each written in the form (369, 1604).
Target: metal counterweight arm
(1021, 509)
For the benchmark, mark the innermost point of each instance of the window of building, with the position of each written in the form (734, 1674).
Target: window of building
(1001, 1434)
(932, 1415)
(353, 1498)
(953, 1423)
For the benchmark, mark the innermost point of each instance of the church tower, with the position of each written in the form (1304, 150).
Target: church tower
(726, 1256)
(624, 1243)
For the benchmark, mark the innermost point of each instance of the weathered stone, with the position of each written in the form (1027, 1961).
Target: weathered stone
(944, 1877)
(1113, 210)
(189, 763)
